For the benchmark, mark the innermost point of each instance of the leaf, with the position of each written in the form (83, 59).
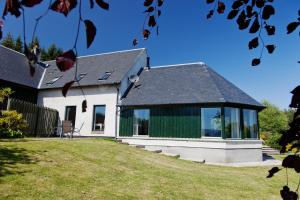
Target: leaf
(292, 26)
(221, 7)
(292, 161)
(253, 43)
(92, 4)
(151, 22)
(209, 1)
(232, 14)
(146, 34)
(270, 29)
(260, 3)
(102, 4)
(13, 7)
(31, 57)
(158, 13)
(273, 171)
(249, 12)
(242, 21)
(267, 12)
(63, 6)
(149, 9)
(270, 48)
(286, 194)
(148, 3)
(90, 32)
(66, 61)
(236, 4)
(66, 88)
(210, 14)
(255, 62)
(30, 3)
(135, 42)
(160, 3)
(84, 105)
(31, 69)
(255, 26)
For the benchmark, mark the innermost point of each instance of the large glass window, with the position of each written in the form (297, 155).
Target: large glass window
(232, 122)
(140, 121)
(250, 123)
(70, 114)
(99, 118)
(211, 123)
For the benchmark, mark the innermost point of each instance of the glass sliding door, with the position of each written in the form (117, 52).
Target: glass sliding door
(232, 122)
(99, 118)
(250, 123)
(70, 114)
(141, 121)
(211, 123)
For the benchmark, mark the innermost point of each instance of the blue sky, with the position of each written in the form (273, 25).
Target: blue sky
(185, 36)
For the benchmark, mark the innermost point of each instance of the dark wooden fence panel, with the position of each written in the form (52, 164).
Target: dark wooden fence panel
(41, 121)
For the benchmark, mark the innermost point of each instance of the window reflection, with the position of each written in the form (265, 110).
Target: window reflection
(211, 123)
(232, 122)
(99, 118)
(250, 123)
(140, 121)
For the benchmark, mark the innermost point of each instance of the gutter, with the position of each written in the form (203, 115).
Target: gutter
(117, 107)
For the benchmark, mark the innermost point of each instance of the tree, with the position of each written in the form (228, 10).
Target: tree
(8, 41)
(273, 122)
(51, 53)
(272, 119)
(19, 45)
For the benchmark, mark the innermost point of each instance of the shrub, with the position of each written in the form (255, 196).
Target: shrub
(12, 124)
(272, 140)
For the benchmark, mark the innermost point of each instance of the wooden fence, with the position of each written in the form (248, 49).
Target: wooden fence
(41, 121)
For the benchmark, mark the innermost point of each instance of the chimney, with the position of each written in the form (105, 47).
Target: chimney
(147, 68)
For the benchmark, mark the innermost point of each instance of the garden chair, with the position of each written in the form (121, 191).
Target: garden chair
(68, 129)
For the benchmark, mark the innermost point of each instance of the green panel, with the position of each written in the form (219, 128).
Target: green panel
(126, 122)
(175, 122)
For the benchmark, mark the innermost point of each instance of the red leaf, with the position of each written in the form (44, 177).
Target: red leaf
(146, 34)
(31, 69)
(66, 88)
(221, 7)
(64, 6)
(30, 3)
(103, 4)
(90, 32)
(255, 62)
(66, 60)
(84, 106)
(12, 6)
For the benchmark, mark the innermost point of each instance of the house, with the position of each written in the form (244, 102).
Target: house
(186, 109)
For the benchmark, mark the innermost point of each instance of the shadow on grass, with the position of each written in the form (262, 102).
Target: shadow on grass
(11, 157)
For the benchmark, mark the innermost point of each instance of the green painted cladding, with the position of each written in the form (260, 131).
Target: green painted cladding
(182, 122)
(126, 122)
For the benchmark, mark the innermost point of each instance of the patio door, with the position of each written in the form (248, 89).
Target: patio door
(70, 114)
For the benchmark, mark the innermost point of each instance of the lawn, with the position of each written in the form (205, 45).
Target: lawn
(103, 169)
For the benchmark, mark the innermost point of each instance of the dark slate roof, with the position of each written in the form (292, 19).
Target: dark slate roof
(116, 62)
(185, 84)
(14, 68)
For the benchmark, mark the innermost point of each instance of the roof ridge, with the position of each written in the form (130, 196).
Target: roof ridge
(174, 65)
(12, 50)
(209, 71)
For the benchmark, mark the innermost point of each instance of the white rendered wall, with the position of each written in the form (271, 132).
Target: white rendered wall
(97, 95)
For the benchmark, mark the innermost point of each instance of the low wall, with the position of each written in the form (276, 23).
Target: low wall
(210, 150)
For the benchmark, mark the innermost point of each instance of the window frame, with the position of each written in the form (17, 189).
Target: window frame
(94, 117)
(221, 118)
(71, 106)
(133, 122)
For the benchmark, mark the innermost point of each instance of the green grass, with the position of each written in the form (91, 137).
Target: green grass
(102, 169)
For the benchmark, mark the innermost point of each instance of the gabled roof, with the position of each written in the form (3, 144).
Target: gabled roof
(14, 68)
(194, 83)
(94, 66)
